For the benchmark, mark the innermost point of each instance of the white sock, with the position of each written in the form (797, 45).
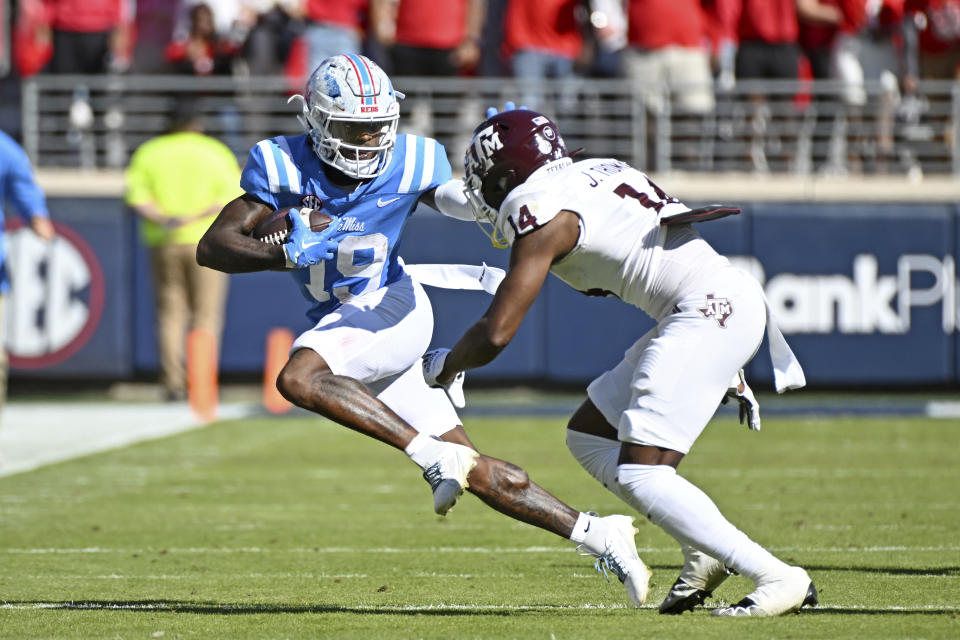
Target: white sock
(424, 450)
(580, 530)
(590, 532)
(598, 455)
(691, 517)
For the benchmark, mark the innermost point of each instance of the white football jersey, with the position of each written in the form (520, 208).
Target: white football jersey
(623, 249)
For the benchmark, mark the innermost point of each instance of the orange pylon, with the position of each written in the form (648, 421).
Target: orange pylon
(202, 386)
(279, 342)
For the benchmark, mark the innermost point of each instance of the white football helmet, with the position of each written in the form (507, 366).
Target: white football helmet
(350, 113)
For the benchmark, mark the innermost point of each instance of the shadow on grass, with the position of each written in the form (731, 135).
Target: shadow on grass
(227, 608)
(899, 611)
(895, 571)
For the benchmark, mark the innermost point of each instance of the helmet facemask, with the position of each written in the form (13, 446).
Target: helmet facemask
(350, 114)
(485, 205)
(337, 140)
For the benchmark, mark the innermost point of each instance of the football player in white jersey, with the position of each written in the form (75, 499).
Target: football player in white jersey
(360, 364)
(600, 226)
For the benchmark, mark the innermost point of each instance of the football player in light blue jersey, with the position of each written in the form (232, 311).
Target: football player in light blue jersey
(287, 172)
(360, 364)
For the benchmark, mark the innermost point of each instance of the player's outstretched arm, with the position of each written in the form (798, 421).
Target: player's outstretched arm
(449, 200)
(227, 245)
(530, 261)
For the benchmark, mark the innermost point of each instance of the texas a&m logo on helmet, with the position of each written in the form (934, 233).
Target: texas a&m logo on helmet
(505, 150)
(485, 144)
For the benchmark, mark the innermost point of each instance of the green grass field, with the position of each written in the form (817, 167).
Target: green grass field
(297, 528)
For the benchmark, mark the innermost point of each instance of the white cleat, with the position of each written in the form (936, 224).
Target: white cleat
(619, 555)
(700, 575)
(448, 475)
(784, 594)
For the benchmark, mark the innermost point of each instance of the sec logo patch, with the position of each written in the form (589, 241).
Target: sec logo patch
(56, 296)
(311, 201)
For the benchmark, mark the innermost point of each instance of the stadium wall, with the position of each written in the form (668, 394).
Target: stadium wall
(866, 293)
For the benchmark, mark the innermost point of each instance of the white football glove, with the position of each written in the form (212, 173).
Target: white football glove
(432, 366)
(747, 403)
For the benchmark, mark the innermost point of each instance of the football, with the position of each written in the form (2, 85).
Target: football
(275, 228)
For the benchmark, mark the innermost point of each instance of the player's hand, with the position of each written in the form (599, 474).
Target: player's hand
(509, 105)
(746, 402)
(433, 362)
(42, 227)
(305, 247)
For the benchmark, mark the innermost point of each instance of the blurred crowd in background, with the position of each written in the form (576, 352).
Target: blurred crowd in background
(904, 40)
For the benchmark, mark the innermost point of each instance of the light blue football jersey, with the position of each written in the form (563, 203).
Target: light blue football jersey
(285, 172)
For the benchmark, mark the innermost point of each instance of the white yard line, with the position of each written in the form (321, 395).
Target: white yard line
(455, 550)
(34, 435)
(349, 576)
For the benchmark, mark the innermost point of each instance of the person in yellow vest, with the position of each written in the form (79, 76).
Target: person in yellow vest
(177, 183)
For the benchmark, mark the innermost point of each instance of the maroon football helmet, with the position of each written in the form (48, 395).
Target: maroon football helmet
(506, 148)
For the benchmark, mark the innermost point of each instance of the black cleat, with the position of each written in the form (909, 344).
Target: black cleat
(683, 597)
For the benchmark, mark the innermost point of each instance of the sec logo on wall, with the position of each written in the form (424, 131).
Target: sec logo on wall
(56, 296)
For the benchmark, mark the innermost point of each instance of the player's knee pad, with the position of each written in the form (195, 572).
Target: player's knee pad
(597, 455)
(646, 488)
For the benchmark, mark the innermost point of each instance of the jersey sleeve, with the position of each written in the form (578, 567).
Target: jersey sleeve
(253, 179)
(442, 171)
(424, 164)
(270, 171)
(527, 210)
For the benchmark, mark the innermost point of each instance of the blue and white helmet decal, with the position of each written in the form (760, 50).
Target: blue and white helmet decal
(350, 111)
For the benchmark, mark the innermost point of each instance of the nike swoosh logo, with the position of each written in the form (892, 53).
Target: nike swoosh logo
(382, 203)
(307, 245)
(588, 526)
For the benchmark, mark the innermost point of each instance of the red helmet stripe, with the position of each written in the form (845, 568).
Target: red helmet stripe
(364, 78)
(373, 82)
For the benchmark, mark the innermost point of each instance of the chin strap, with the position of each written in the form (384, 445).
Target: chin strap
(302, 116)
